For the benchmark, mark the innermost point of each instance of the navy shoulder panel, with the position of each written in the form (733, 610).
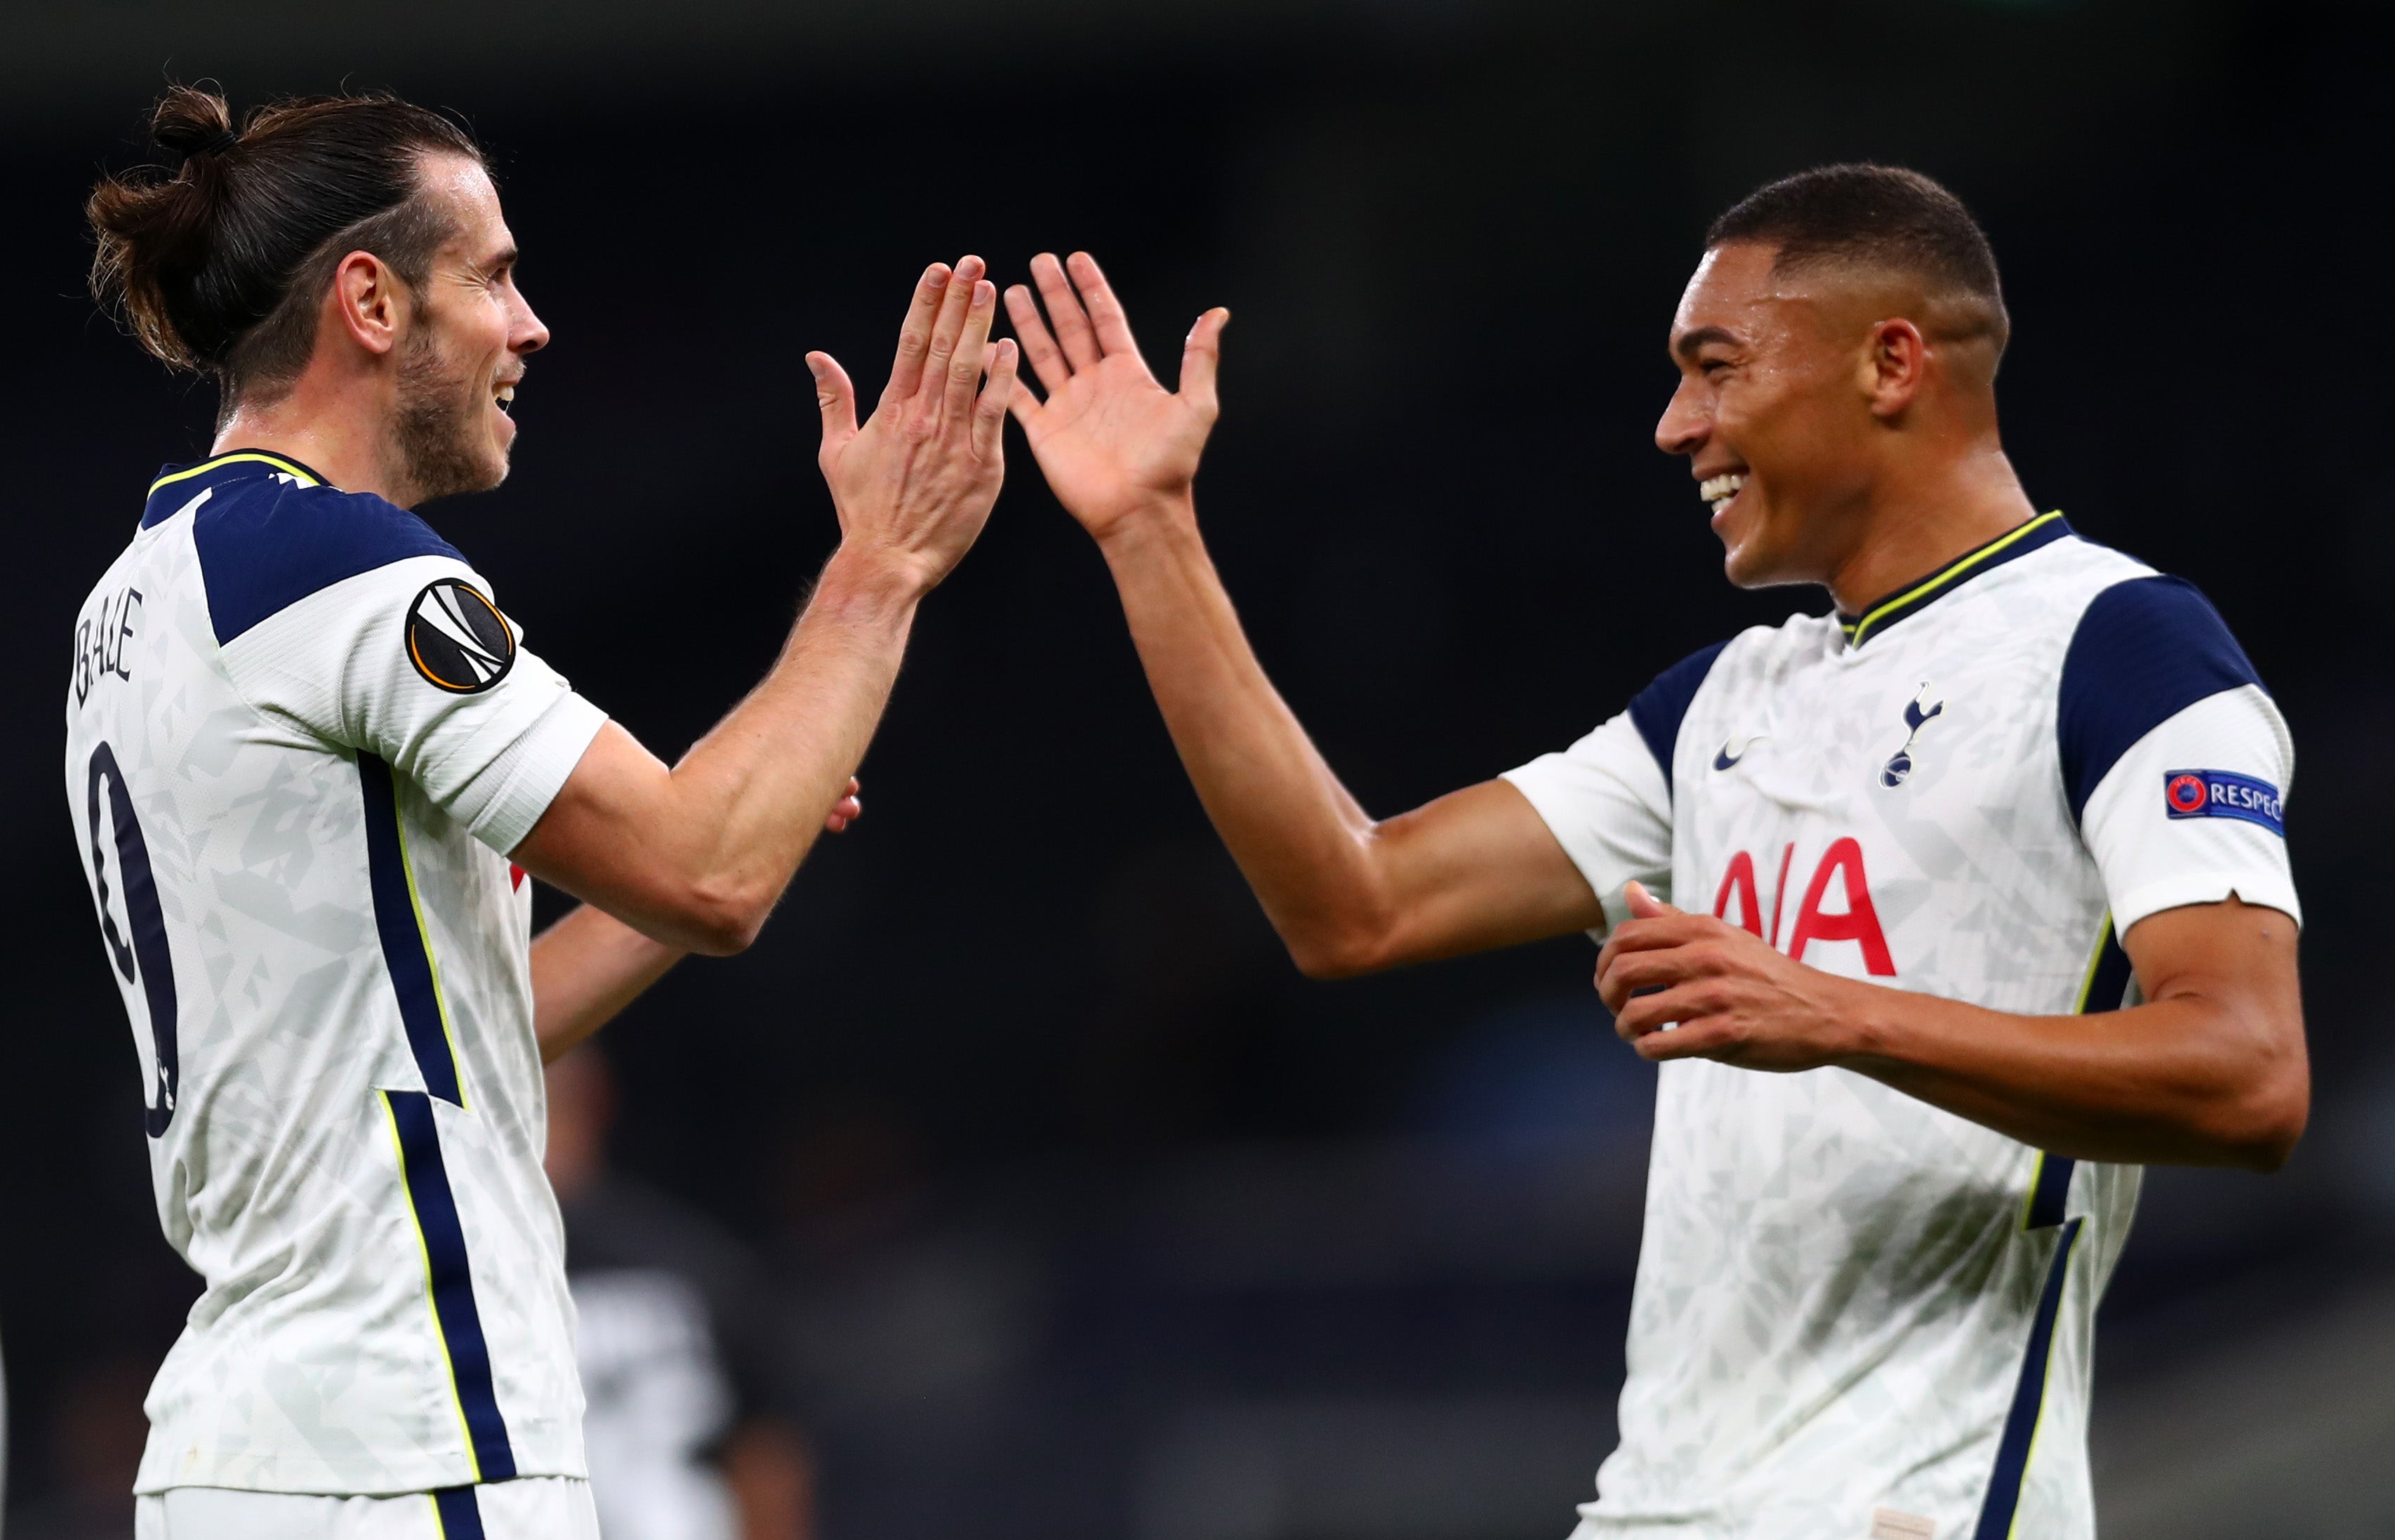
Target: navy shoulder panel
(1657, 709)
(265, 545)
(2146, 650)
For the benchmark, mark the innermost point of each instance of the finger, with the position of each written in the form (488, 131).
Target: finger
(835, 396)
(1645, 905)
(1106, 317)
(1047, 361)
(1064, 312)
(989, 412)
(1634, 973)
(915, 333)
(1679, 1008)
(1670, 930)
(1200, 355)
(965, 368)
(1026, 405)
(1684, 1041)
(946, 328)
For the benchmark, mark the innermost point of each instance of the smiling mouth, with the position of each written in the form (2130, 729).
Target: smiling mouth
(1717, 491)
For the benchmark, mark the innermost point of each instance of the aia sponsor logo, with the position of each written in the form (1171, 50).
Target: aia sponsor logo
(1839, 874)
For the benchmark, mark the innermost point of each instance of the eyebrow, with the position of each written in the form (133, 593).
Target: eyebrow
(504, 259)
(1688, 343)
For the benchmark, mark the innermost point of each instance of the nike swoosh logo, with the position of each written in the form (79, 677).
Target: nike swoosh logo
(1723, 759)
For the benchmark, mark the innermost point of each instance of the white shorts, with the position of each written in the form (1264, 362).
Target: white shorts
(531, 1507)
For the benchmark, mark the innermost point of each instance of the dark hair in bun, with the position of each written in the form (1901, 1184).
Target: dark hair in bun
(217, 265)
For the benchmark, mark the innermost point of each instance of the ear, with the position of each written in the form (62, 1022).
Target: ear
(368, 302)
(1895, 363)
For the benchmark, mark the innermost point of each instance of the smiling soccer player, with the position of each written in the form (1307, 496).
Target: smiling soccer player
(303, 746)
(1993, 855)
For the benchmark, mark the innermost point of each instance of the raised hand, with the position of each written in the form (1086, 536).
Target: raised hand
(1110, 440)
(914, 484)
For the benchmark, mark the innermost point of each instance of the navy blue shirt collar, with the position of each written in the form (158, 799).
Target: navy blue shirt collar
(176, 485)
(1914, 597)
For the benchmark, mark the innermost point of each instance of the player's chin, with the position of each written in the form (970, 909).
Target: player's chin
(495, 459)
(1751, 558)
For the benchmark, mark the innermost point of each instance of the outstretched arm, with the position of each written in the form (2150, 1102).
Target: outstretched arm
(1348, 894)
(2210, 1071)
(695, 855)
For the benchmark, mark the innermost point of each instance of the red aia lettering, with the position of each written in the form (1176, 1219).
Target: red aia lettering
(1739, 879)
(1861, 923)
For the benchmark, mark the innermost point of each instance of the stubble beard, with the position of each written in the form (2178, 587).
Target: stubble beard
(441, 452)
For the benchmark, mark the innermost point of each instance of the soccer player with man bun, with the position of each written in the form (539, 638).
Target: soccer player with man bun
(1986, 879)
(310, 762)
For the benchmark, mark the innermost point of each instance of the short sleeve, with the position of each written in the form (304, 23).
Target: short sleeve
(1609, 805)
(406, 655)
(2175, 759)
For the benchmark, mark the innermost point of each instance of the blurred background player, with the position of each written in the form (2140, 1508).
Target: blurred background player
(310, 765)
(685, 1423)
(1996, 850)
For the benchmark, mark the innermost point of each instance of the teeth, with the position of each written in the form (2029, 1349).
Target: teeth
(505, 397)
(1718, 490)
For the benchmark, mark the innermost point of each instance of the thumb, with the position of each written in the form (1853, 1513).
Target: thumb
(836, 396)
(1200, 356)
(1645, 905)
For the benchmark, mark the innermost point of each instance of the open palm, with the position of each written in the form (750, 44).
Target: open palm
(1109, 439)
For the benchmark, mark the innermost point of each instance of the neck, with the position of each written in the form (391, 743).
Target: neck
(344, 441)
(1920, 518)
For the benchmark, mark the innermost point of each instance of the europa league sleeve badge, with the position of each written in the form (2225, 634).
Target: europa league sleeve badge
(458, 640)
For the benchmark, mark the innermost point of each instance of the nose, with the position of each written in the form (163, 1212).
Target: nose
(1686, 423)
(526, 334)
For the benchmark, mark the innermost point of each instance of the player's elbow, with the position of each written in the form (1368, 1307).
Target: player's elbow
(720, 919)
(1331, 952)
(2269, 1120)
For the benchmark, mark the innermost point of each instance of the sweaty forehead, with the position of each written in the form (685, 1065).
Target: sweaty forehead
(466, 192)
(1737, 295)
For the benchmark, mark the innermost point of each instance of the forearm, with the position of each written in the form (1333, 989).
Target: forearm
(747, 801)
(1304, 842)
(585, 970)
(698, 856)
(2188, 1080)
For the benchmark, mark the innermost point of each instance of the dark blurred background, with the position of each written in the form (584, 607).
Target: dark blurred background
(1077, 1212)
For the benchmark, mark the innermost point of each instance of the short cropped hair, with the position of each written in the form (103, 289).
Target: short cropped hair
(1875, 216)
(219, 264)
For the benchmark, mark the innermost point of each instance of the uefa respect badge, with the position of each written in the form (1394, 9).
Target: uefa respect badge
(2222, 795)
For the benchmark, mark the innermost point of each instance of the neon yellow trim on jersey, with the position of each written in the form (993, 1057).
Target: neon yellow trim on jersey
(440, 1525)
(2044, 1384)
(205, 467)
(424, 934)
(432, 1304)
(2087, 984)
(2029, 1199)
(1856, 632)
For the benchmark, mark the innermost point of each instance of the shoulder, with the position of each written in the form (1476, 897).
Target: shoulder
(1761, 651)
(2146, 648)
(266, 545)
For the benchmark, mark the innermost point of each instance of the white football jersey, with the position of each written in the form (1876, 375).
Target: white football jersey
(1857, 1315)
(299, 740)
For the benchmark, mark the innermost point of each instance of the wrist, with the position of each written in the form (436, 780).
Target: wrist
(1161, 516)
(1869, 1031)
(872, 578)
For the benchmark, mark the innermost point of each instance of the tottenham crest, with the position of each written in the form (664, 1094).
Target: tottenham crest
(458, 640)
